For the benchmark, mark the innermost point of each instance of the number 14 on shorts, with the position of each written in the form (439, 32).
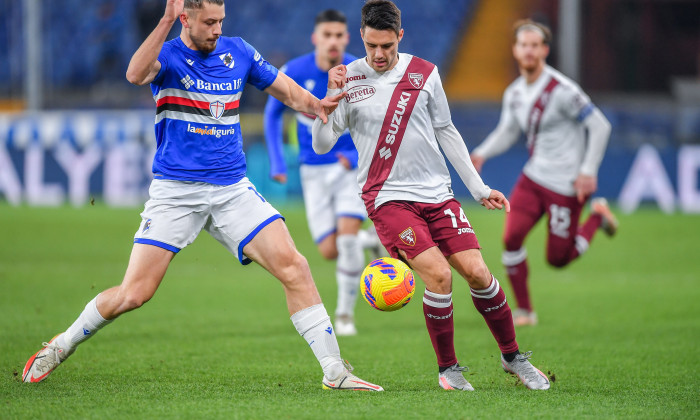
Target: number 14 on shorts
(462, 218)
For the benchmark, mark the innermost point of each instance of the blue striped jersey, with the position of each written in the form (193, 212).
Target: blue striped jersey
(197, 127)
(306, 73)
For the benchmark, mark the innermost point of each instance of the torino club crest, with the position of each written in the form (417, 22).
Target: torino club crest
(416, 79)
(408, 237)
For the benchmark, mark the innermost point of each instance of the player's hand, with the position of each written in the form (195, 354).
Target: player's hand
(495, 201)
(281, 178)
(328, 105)
(585, 186)
(173, 9)
(344, 161)
(478, 162)
(336, 77)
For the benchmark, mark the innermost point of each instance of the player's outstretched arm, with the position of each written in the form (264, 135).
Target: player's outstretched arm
(501, 138)
(144, 65)
(457, 153)
(272, 123)
(296, 97)
(598, 128)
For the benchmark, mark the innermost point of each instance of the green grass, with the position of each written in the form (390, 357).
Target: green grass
(619, 330)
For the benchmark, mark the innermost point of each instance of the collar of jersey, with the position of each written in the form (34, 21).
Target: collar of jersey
(181, 44)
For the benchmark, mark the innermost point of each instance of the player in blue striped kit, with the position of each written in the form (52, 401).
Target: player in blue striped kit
(334, 210)
(200, 184)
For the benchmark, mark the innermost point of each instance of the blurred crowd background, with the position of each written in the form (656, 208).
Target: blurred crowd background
(72, 128)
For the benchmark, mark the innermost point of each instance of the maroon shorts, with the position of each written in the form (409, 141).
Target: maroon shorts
(529, 201)
(414, 227)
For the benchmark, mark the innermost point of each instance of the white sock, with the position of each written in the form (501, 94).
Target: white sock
(368, 238)
(348, 268)
(314, 324)
(87, 324)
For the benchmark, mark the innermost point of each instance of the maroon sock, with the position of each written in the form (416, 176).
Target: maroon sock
(516, 267)
(590, 227)
(584, 236)
(491, 303)
(437, 309)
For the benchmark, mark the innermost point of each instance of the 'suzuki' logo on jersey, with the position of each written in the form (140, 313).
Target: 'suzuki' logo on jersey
(416, 79)
(360, 93)
(397, 117)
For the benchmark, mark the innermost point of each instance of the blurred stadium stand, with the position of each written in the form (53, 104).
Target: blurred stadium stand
(640, 61)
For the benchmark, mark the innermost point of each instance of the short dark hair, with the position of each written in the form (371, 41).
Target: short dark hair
(198, 4)
(381, 15)
(331, 15)
(529, 24)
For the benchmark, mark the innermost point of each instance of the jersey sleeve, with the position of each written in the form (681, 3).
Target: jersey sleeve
(575, 104)
(163, 59)
(437, 101)
(274, 110)
(262, 74)
(325, 136)
(504, 136)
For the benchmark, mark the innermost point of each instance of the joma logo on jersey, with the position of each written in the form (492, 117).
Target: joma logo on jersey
(397, 117)
(408, 237)
(236, 84)
(353, 78)
(360, 93)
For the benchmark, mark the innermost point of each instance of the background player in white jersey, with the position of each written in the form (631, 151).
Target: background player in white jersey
(334, 210)
(200, 183)
(561, 173)
(399, 119)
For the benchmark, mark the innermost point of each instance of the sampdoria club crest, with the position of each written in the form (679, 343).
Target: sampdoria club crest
(216, 109)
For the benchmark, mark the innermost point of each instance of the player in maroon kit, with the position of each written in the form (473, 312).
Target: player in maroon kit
(399, 119)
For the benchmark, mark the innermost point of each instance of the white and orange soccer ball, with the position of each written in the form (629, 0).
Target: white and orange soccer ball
(387, 284)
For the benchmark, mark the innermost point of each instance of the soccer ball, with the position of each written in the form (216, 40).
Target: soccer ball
(387, 284)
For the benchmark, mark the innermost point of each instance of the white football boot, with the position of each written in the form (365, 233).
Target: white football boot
(345, 325)
(349, 382)
(453, 378)
(610, 224)
(523, 317)
(44, 361)
(529, 375)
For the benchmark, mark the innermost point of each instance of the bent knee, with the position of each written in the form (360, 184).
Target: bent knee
(134, 300)
(293, 267)
(328, 253)
(512, 242)
(478, 276)
(558, 261)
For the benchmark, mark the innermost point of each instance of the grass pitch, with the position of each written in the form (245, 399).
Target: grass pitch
(619, 330)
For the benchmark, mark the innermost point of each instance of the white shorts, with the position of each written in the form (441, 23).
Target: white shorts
(330, 192)
(178, 210)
